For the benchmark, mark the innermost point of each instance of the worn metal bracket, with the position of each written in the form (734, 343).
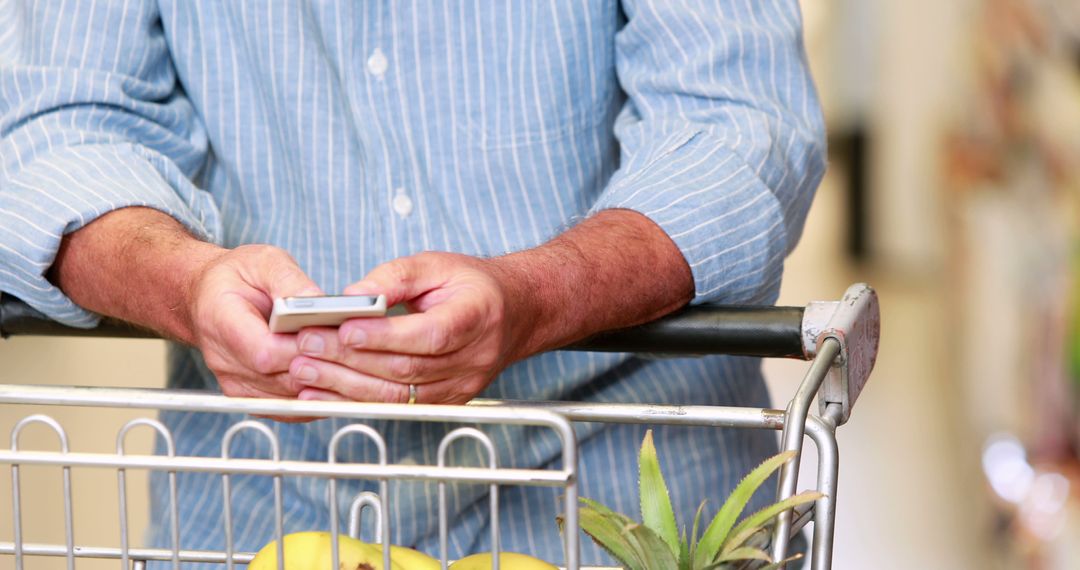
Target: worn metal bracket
(855, 322)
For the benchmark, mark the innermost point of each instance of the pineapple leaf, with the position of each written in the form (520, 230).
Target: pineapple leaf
(606, 530)
(747, 565)
(745, 553)
(754, 522)
(777, 565)
(656, 511)
(694, 534)
(717, 532)
(656, 552)
(761, 538)
(684, 551)
(602, 508)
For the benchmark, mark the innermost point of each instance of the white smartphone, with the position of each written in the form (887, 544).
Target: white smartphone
(291, 314)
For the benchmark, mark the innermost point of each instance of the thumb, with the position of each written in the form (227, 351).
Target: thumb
(400, 280)
(282, 277)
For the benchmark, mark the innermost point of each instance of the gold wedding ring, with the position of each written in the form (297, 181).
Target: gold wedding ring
(412, 393)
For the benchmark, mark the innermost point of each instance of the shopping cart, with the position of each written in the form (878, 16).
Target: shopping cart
(839, 338)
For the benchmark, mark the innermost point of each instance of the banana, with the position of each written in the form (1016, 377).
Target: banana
(507, 561)
(408, 558)
(311, 551)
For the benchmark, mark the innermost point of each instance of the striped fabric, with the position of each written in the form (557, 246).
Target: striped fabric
(351, 133)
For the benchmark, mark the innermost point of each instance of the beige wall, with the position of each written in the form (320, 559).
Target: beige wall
(92, 362)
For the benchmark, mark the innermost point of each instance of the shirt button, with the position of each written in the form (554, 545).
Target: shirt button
(402, 203)
(377, 63)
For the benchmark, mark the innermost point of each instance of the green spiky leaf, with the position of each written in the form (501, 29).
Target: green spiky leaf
(656, 511)
(780, 564)
(694, 535)
(684, 551)
(654, 550)
(717, 532)
(756, 521)
(745, 553)
(606, 528)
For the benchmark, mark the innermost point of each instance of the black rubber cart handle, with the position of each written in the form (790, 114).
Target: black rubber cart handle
(707, 329)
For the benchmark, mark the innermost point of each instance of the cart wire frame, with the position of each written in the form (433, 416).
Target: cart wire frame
(839, 338)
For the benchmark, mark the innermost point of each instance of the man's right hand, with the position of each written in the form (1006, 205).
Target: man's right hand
(231, 299)
(141, 266)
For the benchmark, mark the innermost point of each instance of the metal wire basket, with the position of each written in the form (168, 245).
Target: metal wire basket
(839, 338)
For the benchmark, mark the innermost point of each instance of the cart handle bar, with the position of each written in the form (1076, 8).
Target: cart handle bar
(772, 332)
(750, 331)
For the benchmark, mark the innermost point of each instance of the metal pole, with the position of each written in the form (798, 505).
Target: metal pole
(794, 430)
(823, 432)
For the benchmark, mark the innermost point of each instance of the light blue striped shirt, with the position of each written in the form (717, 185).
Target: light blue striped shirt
(351, 133)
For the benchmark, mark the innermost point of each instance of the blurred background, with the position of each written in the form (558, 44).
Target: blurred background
(953, 189)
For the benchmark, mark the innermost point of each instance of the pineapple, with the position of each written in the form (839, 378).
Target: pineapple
(655, 543)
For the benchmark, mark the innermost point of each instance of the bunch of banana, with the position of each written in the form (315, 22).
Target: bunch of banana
(312, 551)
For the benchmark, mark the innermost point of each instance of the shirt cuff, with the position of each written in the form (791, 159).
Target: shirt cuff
(727, 223)
(63, 191)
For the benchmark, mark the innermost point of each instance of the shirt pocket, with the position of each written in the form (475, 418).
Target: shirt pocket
(539, 80)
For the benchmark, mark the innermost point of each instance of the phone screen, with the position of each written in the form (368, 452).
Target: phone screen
(330, 302)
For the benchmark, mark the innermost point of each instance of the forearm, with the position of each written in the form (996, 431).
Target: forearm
(134, 264)
(613, 270)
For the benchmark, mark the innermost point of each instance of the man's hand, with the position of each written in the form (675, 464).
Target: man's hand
(141, 266)
(231, 299)
(473, 317)
(469, 319)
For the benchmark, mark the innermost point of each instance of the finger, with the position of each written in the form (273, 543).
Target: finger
(278, 274)
(385, 362)
(398, 367)
(355, 385)
(248, 339)
(449, 391)
(443, 329)
(402, 279)
(276, 386)
(321, 395)
(362, 387)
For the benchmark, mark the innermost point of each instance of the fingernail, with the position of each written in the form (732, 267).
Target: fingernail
(307, 373)
(312, 345)
(316, 394)
(356, 337)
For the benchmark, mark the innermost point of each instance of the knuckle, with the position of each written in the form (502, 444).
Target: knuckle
(231, 388)
(399, 270)
(392, 392)
(262, 361)
(473, 384)
(404, 367)
(261, 254)
(214, 361)
(267, 252)
(440, 339)
(222, 365)
(488, 357)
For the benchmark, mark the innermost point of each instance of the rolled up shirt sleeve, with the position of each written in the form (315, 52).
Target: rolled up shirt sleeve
(722, 139)
(92, 119)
